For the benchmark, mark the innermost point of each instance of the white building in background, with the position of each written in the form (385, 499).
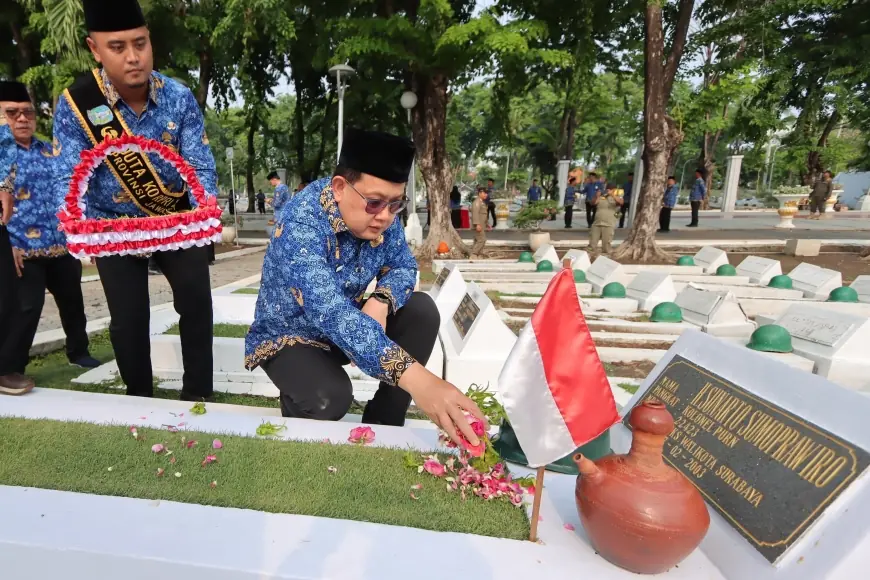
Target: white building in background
(855, 185)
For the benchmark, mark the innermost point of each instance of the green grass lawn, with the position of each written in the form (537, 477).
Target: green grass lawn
(52, 371)
(221, 330)
(631, 388)
(370, 484)
(254, 291)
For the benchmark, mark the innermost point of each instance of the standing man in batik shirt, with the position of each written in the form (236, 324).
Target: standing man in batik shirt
(696, 196)
(126, 95)
(282, 192)
(312, 318)
(570, 198)
(41, 258)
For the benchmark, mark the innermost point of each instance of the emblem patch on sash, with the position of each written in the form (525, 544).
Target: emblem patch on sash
(101, 115)
(172, 126)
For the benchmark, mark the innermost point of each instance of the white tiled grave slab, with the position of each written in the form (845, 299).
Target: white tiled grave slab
(579, 259)
(760, 270)
(815, 282)
(604, 271)
(651, 289)
(476, 341)
(777, 407)
(765, 306)
(717, 313)
(837, 342)
(861, 285)
(547, 252)
(741, 292)
(710, 258)
(484, 265)
(50, 534)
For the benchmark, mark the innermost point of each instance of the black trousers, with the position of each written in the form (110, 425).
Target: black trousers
(62, 277)
(8, 284)
(591, 210)
(261, 206)
(569, 215)
(456, 218)
(696, 207)
(490, 209)
(623, 212)
(314, 385)
(125, 282)
(665, 219)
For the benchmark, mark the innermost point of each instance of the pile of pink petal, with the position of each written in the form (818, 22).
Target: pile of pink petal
(494, 484)
(479, 430)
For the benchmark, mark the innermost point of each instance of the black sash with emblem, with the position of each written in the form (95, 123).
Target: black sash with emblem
(132, 169)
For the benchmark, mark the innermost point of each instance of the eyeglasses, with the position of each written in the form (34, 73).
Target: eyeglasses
(12, 114)
(376, 206)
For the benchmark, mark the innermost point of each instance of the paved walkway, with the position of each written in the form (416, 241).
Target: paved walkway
(222, 273)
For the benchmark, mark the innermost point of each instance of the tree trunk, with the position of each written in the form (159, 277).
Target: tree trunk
(253, 121)
(205, 73)
(661, 136)
(429, 123)
(814, 158)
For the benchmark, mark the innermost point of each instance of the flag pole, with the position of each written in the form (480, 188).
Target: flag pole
(536, 505)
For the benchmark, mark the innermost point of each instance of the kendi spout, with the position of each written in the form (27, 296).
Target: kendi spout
(640, 513)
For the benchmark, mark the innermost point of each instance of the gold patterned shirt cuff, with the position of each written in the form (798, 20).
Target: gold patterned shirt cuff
(387, 294)
(394, 362)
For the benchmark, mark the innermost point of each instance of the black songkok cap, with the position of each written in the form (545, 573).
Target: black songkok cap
(381, 155)
(112, 15)
(14, 91)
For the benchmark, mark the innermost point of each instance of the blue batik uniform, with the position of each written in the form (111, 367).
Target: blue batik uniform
(315, 275)
(590, 189)
(7, 153)
(534, 193)
(626, 192)
(282, 196)
(671, 195)
(172, 117)
(34, 225)
(699, 190)
(570, 195)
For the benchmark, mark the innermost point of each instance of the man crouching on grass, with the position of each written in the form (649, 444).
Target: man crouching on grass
(330, 241)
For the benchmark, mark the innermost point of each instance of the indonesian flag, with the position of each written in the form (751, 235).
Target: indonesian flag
(553, 385)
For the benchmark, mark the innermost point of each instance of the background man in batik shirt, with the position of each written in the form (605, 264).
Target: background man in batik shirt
(330, 242)
(155, 107)
(282, 192)
(41, 258)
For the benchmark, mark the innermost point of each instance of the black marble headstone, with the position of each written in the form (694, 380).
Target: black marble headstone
(465, 315)
(768, 472)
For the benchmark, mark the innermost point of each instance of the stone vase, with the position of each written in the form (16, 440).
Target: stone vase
(538, 239)
(503, 214)
(228, 234)
(641, 514)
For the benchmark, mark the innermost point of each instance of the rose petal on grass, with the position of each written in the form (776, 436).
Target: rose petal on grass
(216, 444)
(172, 460)
(160, 472)
(209, 459)
(434, 467)
(110, 469)
(190, 444)
(332, 469)
(417, 486)
(569, 527)
(177, 474)
(414, 497)
(213, 484)
(158, 448)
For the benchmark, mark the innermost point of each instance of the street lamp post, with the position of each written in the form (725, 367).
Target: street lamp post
(230, 154)
(413, 229)
(341, 72)
(772, 167)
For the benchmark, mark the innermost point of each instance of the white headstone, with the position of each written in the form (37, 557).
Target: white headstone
(717, 313)
(476, 341)
(861, 285)
(579, 259)
(604, 271)
(547, 252)
(815, 282)
(651, 289)
(447, 291)
(779, 455)
(837, 342)
(759, 270)
(710, 259)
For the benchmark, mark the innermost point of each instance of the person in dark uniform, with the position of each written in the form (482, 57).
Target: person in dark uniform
(42, 261)
(126, 95)
(456, 208)
(312, 318)
(261, 202)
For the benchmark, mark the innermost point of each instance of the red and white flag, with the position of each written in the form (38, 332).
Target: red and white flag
(553, 385)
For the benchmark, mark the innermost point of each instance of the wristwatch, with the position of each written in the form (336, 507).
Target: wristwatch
(380, 299)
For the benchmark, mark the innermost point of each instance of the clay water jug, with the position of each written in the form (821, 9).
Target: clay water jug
(640, 513)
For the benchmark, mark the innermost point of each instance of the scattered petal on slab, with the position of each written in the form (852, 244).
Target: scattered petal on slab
(177, 474)
(216, 444)
(182, 424)
(332, 469)
(143, 418)
(158, 448)
(160, 472)
(540, 518)
(569, 527)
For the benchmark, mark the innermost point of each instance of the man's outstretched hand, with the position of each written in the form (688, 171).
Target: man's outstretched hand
(442, 402)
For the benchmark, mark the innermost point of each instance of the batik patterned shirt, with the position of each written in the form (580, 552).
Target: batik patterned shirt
(315, 275)
(7, 156)
(282, 196)
(671, 194)
(699, 190)
(34, 227)
(171, 116)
